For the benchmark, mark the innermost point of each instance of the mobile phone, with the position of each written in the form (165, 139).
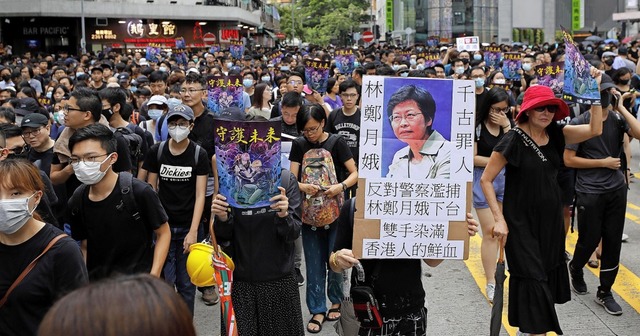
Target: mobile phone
(306, 90)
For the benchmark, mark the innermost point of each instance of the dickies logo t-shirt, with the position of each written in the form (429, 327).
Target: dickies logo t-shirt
(175, 173)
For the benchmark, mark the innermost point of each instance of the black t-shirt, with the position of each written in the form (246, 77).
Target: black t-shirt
(116, 243)
(287, 129)
(486, 141)
(346, 126)
(599, 180)
(177, 180)
(203, 133)
(340, 153)
(398, 286)
(42, 160)
(58, 272)
(481, 100)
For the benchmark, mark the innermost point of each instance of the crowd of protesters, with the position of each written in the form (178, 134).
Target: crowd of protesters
(86, 142)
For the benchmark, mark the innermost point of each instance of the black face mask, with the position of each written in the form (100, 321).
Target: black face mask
(623, 81)
(608, 62)
(107, 113)
(6, 78)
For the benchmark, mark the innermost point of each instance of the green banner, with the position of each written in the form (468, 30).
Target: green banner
(577, 14)
(389, 15)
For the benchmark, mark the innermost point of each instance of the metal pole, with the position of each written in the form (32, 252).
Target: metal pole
(83, 42)
(293, 25)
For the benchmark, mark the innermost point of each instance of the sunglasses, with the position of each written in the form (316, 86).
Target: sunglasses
(550, 108)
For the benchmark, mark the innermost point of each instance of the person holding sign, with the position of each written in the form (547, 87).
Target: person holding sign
(427, 155)
(531, 225)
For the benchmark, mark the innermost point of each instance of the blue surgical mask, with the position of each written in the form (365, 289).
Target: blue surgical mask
(412, 62)
(163, 69)
(49, 94)
(479, 82)
(133, 89)
(229, 64)
(155, 114)
(247, 83)
(395, 67)
(404, 74)
(284, 68)
(266, 79)
(420, 66)
(356, 64)
(79, 73)
(173, 102)
(477, 57)
(460, 70)
(526, 66)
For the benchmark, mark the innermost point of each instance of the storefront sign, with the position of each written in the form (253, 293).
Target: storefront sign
(45, 30)
(104, 34)
(139, 29)
(228, 35)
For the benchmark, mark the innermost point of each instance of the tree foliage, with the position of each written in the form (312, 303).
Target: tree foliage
(319, 21)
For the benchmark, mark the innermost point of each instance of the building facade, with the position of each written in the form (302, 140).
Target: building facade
(55, 25)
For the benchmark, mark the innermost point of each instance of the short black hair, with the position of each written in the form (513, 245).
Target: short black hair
(195, 78)
(114, 96)
(311, 111)
(158, 76)
(9, 131)
(423, 99)
(349, 83)
(8, 114)
(98, 132)
(360, 70)
(385, 70)
(292, 99)
(293, 73)
(88, 100)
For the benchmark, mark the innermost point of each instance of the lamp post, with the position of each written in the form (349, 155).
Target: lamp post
(83, 42)
(293, 25)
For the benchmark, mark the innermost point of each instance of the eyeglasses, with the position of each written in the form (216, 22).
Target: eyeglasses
(67, 109)
(503, 110)
(89, 160)
(311, 130)
(295, 82)
(349, 95)
(181, 125)
(35, 132)
(410, 117)
(17, 150)
(191, 91)
(549, 108)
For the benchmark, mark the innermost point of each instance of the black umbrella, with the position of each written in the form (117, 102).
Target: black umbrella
(498, 299)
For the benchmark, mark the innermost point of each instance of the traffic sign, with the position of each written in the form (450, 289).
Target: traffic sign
(367, 36)
(209, 38)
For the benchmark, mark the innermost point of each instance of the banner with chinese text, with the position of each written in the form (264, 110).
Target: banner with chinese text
(345, 61)
(551, 75)
(317, 74)
(224, 92)
(579, 87)
(511, 65)
(415, 168)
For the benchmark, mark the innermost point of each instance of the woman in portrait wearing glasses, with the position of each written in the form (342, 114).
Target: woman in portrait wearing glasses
(318, 241)
(427, 155)
(491, 125)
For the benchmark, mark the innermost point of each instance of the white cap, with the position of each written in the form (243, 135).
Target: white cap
(143, 61)
(194, 70)
(158, 100)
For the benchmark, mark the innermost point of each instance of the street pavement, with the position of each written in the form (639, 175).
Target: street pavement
(458, 306)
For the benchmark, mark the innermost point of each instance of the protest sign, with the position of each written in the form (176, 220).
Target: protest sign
(248, 160)
(468, 43)
(492, 57)
(431, 59)
(345, 61)
(224, 92)
(579, 87)
(316, 74)
(180, 43)
(511, 64)
(236, 49)
(551, 75)
(215, 48)
(152, 53)
(415, 168)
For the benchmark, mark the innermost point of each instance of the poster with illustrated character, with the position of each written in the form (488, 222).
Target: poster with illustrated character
(316, 74)
(248, 160)
(551, 75)
(153, 53)
(492, 57)
(180, 43)
(511, 64)
(415, 168)
(224, 92)
(236, 49)
(275, 57)
(345, 61)
(431, 59)
(579, 87)
(215, 48)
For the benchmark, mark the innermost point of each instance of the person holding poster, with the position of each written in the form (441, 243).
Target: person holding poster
(318, 240)
(411, 112)
(530, 224)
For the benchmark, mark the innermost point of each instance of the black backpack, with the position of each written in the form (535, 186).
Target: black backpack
(134, 143)
(125, 183)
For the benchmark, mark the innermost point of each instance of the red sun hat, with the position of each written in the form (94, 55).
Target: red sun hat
(540, 95)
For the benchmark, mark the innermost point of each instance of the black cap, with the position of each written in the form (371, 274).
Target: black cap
(606, 82)
(34, 120)
(26, 106)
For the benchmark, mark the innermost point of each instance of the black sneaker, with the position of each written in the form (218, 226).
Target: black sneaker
(607, 301)
(577, 280)
(299, 277)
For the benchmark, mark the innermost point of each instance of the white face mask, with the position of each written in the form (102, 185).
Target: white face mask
(14, 214)
(500, 81)
(90, 173)
(178, 134)
(460, 70)
(229, 64)
(155, 114)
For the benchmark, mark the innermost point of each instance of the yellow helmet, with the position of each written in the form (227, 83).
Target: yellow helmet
(199, 265)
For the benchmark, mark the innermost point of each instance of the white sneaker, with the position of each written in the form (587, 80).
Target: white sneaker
(625, 237)
(491, 290)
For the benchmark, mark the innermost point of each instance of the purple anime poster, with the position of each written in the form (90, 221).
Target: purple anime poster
(431, 59)
(275, 57)
(224, 92)
(180, 43)
(215, 48)
(236, 49)
(152, 53)
(511, 65)
(248, 160)
(433, 41)
(181, 56)
(317, 74)
(492, 57)
(551, 75)
(345, 61)
(579, 87)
